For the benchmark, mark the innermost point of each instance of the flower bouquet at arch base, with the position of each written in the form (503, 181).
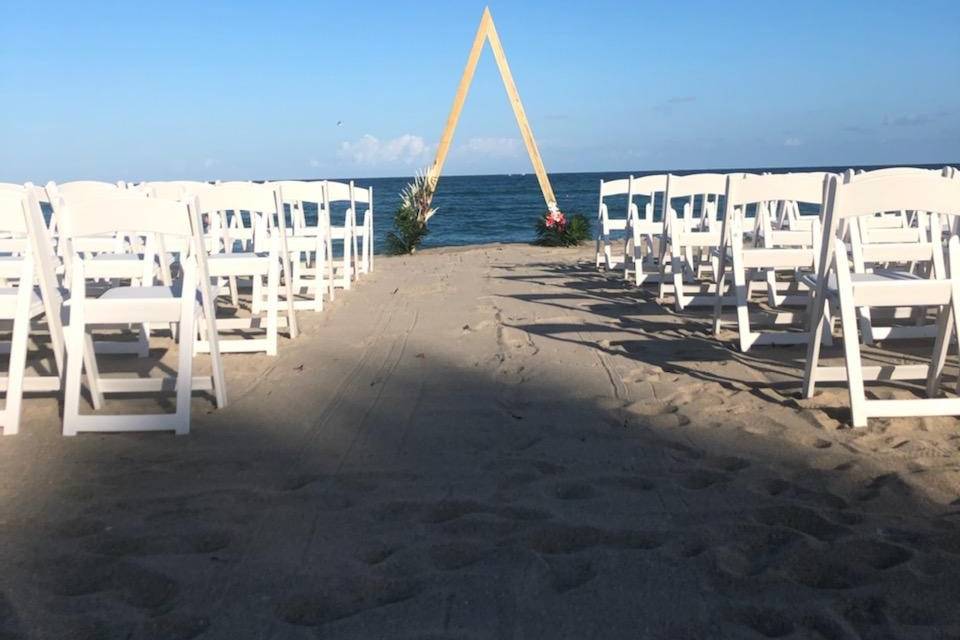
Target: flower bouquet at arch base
(556, 230)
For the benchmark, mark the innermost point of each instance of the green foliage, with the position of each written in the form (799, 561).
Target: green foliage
(410, 220)
(574, 232)
(408, 232)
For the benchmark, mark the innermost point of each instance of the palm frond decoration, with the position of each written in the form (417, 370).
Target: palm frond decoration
(410, 220)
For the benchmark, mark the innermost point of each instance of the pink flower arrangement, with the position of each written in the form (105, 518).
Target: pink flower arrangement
(555, 219)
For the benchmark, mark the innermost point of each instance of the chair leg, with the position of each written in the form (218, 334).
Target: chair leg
(820, 320)
(143, 340)
(677, 266)
(851, 341)
(273, 306)
(292, 328)
(76, 354)
(318, 281)
(93, 372)
(741, 289)
(665, 256)
(940, 348)
(185, 360)
(18, 358)
(256, 296)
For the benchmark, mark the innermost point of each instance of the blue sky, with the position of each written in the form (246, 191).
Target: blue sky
(162, 90)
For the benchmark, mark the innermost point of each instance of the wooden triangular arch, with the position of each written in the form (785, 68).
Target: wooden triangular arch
(488, 32)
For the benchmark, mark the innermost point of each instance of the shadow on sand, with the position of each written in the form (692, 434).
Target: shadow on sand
(410, 494)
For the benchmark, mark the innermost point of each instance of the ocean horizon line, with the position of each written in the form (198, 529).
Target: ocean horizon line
(675, 170)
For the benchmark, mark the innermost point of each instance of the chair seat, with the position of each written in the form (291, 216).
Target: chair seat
(233, 264)
(338, 233)
(120, 305)
(889, 288)
(302, 243)
(8, 303)
(11, 266)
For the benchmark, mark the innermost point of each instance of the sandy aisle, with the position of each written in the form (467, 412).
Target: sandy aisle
(489, 442)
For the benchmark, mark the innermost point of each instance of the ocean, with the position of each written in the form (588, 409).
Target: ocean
(503, 208)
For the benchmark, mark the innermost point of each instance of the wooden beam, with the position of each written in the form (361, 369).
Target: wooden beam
(487, 32)
(461, 96)
(525, 131)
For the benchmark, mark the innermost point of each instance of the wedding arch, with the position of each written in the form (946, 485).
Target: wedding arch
(487, 32)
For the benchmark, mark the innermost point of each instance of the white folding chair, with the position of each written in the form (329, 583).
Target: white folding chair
(643, 230)
(28, 258)
(689, 244)
(340, 193)
(148, 303)
(772, 251)
(363, 232)
(267, 258)
(606, 224)
(857, 196)
(310, 244)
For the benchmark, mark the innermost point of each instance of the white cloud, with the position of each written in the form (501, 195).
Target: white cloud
(793, 142)
(492, 147)
(370, 150)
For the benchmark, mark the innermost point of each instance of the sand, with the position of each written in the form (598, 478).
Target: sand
(490, 442)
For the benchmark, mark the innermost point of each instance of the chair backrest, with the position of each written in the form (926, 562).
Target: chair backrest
(12, 221)
(897, 171)
(338, 191)
(688, 188)
(82, 189)
(362, 195)
(10, 186)
(867, 193)
(646, 187)
(792, 187)
(238, 196)
(97, 216)
(696, 184)
(301, 191)
(296, 194)
(263, 202)
(614, 187)
(175, 189)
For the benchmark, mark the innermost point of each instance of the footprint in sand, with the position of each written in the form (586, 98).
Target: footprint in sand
(645, 374)
(766, 621)
(574, 491)
(702, 479)
(656, 415)
(777, 487)
(182, 626)
(566, 539)
(886, 484)
(518, 340)
(800, 519)
(457, 555)
(570, 572)
(811, 566)
(374, 553)
(117, 545)
(335, 598)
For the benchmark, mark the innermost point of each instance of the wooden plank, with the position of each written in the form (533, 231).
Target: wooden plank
(488, 32)
(525, 131)
(461, 96)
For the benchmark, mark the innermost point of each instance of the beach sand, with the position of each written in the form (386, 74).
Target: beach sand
(490, 442)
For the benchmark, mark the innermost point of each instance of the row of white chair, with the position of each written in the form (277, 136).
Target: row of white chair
(782, 232)
(164, 254)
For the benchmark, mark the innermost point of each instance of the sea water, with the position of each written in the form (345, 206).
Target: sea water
(504, 208)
